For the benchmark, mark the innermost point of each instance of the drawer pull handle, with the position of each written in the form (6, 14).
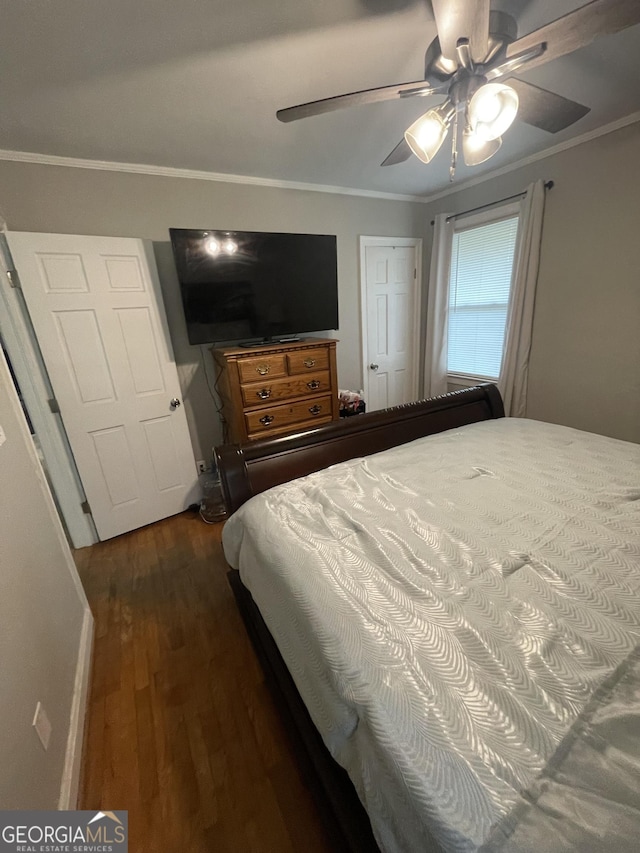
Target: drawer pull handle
(263, 369)
(263, 393)
(266, 419)
(315, 410)
(315, 383)
(309, 362)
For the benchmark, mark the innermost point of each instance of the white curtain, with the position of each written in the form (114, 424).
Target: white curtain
(435, 369)
(515, 363)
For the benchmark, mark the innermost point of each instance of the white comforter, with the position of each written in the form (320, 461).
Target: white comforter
(447, 608)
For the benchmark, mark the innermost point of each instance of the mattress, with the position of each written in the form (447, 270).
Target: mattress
(447, 610)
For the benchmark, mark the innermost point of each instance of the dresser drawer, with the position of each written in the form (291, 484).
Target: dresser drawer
(275, 418)
(309, 359)
(252, 369)
(262, 393)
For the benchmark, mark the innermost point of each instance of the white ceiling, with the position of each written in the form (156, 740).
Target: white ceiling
(196, 83)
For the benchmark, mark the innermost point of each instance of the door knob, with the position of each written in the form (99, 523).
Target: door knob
(174, 403)
(373, 366)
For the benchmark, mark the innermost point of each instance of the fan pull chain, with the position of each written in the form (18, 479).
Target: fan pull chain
(454, 147)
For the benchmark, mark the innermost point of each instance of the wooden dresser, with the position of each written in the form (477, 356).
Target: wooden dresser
(277, 389)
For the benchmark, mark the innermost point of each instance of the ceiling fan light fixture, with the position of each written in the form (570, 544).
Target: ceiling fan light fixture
(492, 110)
(476, 150)
(427, 133)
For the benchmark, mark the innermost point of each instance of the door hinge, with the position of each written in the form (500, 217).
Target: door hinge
(7, 260)
(12, 275)
(53, 405)
(84, 506)
(415, 273)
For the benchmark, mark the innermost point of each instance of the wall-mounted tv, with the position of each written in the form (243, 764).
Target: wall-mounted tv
(241, 286)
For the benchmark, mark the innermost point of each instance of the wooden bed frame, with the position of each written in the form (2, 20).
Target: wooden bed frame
(247, 470)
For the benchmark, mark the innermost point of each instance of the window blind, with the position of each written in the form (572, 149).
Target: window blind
(479, 288)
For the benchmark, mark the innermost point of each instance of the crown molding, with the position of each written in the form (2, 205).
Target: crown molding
(223, 177)
(540, 155)
(193, 174)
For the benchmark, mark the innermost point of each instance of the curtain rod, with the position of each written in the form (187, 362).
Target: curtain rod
(548, 185)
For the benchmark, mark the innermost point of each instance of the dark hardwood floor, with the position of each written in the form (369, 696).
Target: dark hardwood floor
(181, 728)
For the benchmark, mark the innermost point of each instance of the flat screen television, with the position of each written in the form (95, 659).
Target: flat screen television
(253, 286)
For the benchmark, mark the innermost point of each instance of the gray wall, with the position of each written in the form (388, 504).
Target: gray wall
(41, 615)
(585, 355)
(59, 199)
(585, 360)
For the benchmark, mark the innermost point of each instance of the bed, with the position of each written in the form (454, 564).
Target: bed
(455, 598)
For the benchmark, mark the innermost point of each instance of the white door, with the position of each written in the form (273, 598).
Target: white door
(391, 309)
(98, 315)
(32, 379)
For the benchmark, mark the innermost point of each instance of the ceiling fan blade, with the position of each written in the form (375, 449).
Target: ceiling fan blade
(399, 154)
(578, 28)
(544, 109)
(517, 61)
(456, 19)
(353, 99)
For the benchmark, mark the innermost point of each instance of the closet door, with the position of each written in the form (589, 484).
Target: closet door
(390, 315)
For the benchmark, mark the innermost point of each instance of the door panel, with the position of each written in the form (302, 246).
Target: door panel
(161, 446)
(98, 315)
(116, 465)
(81, 344)
(142, 353)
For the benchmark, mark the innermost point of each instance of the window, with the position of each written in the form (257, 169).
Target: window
(481, 271)
(482, 287)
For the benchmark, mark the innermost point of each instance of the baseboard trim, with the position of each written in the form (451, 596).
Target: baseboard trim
(70, 783)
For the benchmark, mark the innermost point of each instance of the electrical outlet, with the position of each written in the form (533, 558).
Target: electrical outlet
(42, 725)
(201, 465)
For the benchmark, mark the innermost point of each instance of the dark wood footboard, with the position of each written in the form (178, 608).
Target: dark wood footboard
(249, 469)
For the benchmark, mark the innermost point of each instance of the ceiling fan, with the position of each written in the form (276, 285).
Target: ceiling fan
(475, 47)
